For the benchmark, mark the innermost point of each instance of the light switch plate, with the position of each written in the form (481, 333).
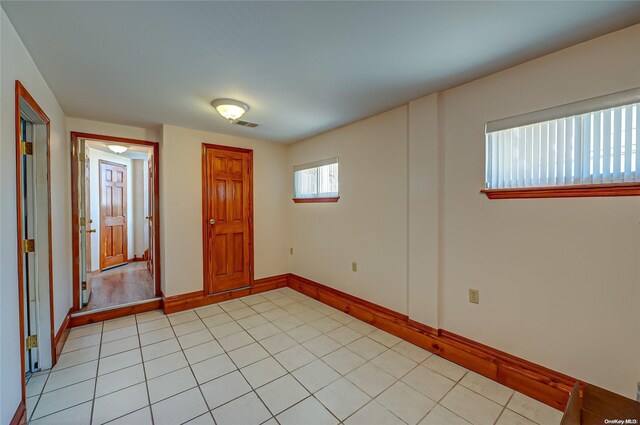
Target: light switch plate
(354, 267)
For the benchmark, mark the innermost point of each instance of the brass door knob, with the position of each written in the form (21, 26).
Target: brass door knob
(91, 231)
(212, 221)
(148, 217)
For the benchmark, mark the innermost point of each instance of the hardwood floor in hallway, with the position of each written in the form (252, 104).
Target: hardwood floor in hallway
(120, 285)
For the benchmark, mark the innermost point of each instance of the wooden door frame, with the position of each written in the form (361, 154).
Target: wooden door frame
(87, 209)
(124, 210)
(22, 93)
(75, 220)
(205, 267)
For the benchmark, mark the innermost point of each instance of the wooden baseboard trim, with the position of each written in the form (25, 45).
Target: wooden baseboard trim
(20, 417)
(543, 384)
(538, 382)
(115, 313)
(196, 299)
(61, 337)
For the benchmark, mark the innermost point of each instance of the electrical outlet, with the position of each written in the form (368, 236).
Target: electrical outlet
(290, 251)
(474, 296)
(354, 267)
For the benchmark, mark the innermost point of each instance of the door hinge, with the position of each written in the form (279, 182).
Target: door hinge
(250, 268)
(26, 148)
(84, 286)
(32, 342)
(28, 245)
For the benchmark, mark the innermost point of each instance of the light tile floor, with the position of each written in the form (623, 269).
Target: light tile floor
(277, 357)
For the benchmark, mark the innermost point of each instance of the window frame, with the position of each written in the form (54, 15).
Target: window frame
(312, 165)
(565, 191)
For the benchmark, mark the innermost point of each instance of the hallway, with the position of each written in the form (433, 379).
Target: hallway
(120, 285)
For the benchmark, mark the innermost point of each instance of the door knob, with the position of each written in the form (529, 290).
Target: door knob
(148, 217)
(212, 221)
(91, 231)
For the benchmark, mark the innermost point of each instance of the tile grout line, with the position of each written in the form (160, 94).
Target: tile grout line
(253, 390)
(504, 408)
(144, 372)
(39, 396)
(191, 369)
(95, 384)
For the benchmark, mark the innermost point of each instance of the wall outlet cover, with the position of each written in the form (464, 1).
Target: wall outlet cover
(474, 296)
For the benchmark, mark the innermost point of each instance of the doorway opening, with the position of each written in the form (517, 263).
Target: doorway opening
(35, 260)
(115, 226)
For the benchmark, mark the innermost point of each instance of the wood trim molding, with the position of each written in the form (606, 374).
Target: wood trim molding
(538, 382)
(541, 383)
(61, 338)
(196, 299)
(114, 313)
(22, 93)
(316, 200)
(575, 191)
(227, 148)
(75, 221)
(20, 417)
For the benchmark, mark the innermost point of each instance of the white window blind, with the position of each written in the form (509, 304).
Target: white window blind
(590, 142)
(317, 179)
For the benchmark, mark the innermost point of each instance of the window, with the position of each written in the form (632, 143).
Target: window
(316, 181)
(590, 143)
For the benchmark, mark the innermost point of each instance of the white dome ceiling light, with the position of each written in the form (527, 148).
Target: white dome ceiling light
(118, 148)
(230, 109)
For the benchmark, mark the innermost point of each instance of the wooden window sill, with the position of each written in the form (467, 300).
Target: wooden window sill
(315, 200)
(576, 191)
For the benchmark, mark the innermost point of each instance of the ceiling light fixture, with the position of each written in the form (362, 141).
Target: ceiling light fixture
(118, 148)
(229, 108)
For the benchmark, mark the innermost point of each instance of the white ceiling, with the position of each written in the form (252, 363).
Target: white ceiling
(133, 152)
(303, 67)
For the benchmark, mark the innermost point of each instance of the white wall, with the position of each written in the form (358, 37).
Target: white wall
(109, 129)
(368, 224)
(559, 278)
(95, 156)
(16, 63)
(181, 206)
(140, 206)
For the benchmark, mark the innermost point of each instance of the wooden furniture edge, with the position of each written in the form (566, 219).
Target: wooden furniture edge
(61, 337)
(543, 384)
(176, 303)
(574, 191)
(114, 313)
(599, 404)
(20, 417)
(316, 200)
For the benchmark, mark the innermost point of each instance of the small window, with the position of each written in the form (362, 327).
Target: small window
(316, 181)
(589, 143)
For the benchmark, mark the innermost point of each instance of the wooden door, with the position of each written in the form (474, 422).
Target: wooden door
(113, 214)
(87, 208)
(227, 218)
(150, 221)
